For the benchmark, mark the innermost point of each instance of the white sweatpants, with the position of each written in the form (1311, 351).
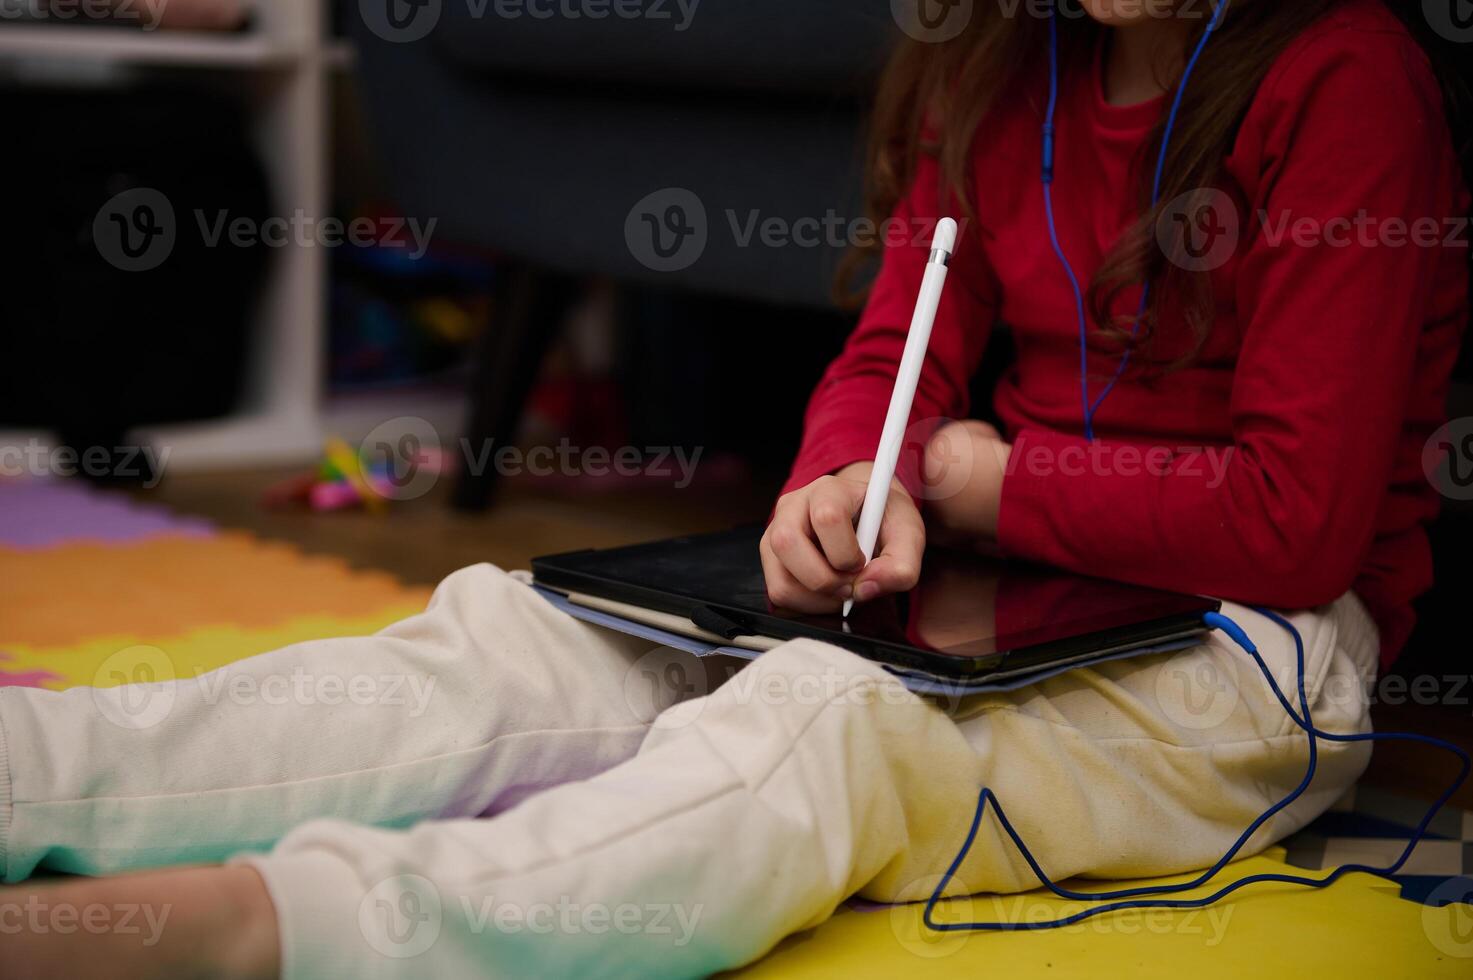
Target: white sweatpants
(479, 790)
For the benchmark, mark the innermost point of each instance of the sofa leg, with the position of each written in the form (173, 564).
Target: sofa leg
(529, 307)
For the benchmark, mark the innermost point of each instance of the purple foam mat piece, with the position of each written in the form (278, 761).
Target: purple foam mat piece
(46, 513)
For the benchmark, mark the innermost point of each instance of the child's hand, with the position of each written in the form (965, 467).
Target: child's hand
(810, 553)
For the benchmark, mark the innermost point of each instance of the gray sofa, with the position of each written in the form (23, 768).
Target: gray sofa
(539, 136)
(580, 146)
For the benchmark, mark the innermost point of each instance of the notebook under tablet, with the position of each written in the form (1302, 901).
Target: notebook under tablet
(971, 618)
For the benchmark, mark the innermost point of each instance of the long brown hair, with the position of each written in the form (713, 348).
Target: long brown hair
(933, 97)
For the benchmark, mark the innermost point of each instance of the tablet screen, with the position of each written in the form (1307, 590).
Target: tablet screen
(966, 606)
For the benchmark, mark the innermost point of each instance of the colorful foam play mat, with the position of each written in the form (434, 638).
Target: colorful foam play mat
(85, 574)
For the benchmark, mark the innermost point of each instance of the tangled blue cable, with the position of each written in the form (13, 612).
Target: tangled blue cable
(1115, 901)
(1128, 898)
(1091, 407)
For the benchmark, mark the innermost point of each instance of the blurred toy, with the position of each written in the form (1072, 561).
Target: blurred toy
(341, 481)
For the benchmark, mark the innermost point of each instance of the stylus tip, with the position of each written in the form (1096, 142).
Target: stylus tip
(848, 605)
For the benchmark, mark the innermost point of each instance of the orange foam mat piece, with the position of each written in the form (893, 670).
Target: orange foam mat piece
(164, 587)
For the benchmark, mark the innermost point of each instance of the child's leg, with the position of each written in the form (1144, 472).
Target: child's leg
(811, 776)
(486, 697)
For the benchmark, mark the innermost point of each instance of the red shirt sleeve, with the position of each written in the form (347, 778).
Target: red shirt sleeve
(847, 410)
(1350, 131)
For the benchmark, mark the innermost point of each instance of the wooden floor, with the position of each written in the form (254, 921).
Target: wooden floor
(423, 540)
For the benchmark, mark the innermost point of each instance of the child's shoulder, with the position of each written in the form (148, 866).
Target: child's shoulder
(1359, 40)
(1357, 67)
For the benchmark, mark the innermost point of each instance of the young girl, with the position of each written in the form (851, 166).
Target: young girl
(544, 816)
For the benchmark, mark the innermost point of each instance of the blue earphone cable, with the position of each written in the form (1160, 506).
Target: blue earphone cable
(1053, 228)
(1112, 899)
(1092, 407)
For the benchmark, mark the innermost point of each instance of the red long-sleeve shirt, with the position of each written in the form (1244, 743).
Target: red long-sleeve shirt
(1325, 371)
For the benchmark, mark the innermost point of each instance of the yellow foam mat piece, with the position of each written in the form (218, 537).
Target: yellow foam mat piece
(65, 595)
(1358, 927)
(121, 658)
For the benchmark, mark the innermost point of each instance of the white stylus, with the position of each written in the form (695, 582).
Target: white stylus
(943, 243)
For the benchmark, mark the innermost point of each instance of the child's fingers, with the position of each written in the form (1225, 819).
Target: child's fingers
(897, 568)
(831, 510)
(791, 541)
(786, 592)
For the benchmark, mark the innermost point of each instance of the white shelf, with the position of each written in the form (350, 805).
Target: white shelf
(239, 440)
(281, 418)
(115, 45)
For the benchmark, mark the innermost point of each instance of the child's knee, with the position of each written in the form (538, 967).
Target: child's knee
(825, 694)
(473, 582)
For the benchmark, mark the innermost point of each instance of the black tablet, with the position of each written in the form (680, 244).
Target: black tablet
(971, 618)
